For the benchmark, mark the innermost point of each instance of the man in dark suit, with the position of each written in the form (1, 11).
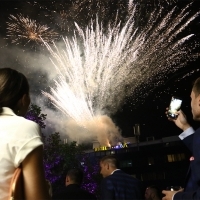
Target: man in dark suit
(73, 190)
(192, 140)
(116, 184)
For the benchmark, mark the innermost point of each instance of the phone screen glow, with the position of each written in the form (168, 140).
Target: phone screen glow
(174, 106)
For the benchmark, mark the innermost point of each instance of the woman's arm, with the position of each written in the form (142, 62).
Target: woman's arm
(34, 178)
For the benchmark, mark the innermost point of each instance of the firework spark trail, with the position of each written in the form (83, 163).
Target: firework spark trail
(63, 14)
(22, 28)
(97, 66)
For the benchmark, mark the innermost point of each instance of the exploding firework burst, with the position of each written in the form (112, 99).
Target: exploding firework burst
(21, 29)
(99, 64)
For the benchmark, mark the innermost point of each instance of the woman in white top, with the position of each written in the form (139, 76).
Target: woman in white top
(20, 140)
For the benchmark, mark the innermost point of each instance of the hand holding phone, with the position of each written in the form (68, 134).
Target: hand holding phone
(174, 106)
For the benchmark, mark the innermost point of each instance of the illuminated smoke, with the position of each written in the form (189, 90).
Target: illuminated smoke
(100, 63)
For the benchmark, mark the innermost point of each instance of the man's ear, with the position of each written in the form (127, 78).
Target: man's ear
(198, 99)
(67, 179)
(108, 166)
(153, 195)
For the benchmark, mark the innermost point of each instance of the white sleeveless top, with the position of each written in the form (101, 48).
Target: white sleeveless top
(18, 137)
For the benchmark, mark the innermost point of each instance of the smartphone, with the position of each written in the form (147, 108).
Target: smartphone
(174, 106)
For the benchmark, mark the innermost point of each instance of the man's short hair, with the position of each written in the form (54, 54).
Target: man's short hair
(76, 175)
(156, 190)
(111, 159)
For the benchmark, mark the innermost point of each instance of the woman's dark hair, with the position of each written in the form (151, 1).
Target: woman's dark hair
(13, 85)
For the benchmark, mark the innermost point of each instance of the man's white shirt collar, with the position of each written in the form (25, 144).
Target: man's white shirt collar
(114, 171)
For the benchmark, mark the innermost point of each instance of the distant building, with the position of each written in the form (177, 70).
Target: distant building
(162, 162)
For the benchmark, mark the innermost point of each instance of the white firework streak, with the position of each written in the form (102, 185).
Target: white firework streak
(98, 64)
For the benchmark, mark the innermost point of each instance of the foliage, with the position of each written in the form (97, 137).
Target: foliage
(34, 114)
(90, 167)
(60, 157)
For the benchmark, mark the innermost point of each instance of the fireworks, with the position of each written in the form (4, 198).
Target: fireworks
(82, 11)
(98, 65)
(22, 28)
(98, 72)
(117, 49)
(63, 14)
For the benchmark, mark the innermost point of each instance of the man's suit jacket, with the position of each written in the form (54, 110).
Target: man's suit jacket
(192, 187)
(121, 186)
(74, 192)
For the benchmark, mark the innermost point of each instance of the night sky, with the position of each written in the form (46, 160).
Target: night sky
(149, 112)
